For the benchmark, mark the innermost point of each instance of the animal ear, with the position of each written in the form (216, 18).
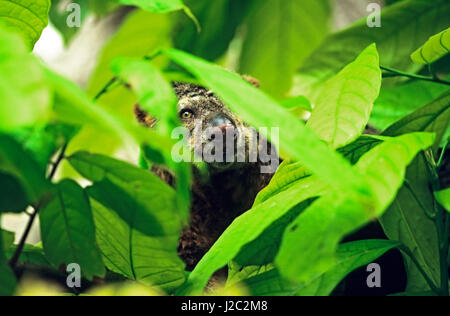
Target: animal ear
(255, 82)
(143, 117)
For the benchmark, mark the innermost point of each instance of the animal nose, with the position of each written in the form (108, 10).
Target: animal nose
(223, 123)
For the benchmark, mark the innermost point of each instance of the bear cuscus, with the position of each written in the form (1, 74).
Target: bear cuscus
(229, 189)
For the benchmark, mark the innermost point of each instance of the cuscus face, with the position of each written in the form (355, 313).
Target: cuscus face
(214, 130)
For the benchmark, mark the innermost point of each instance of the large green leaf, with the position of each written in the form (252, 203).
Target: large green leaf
(349, 257)
(24, 95)
(253, 106)
(219, 20)
(42, 141)
(436, 47)
(22, 179)
(343, 108)
(443, 197)
(249, 226)
(318, 230)
(405, 26)
(27, 17)
(406, 220)
(398, 101)
(137, 223)
(280, 35)
(67, 230)
(433, 117)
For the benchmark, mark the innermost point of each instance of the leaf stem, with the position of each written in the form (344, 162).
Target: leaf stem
(394, 72)
(106, 88)
(15, 258)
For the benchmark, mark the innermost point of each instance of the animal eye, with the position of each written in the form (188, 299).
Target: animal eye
(186, 114)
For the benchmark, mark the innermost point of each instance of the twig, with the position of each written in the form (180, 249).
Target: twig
(106, 88)
(15, 258)
(394, 72)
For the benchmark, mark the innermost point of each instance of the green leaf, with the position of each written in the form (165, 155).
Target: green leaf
(405, 26)
(155, 94)
(273, 49)
(396, 102)
(27, 17)
(443, 197)
(219, 20)
(43, 141)
(259, 110)
(263, 249)
(7, 238)
(113, 179)
(248, 227)
(406, 220)
(144, 32)
(162, 6)
(433, 117)
(22, 179)
(68, 233)
(297, 105)
(435, 48)
(343, 109)
(158, 6)
(137, 223)
(24, 94)
(349, 257)
(318, 230)
(74, 107)
(30, 254)
(8, 281)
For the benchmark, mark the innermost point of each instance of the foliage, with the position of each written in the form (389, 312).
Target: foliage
(119, 221)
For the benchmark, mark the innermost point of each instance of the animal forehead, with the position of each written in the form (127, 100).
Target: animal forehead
(190, 95)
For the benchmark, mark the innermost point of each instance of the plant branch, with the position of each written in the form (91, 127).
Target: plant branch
(397, 73)
(15, 258)
(106, 88)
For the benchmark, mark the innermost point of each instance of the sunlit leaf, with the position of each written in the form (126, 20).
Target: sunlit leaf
(443, 197)
(24, 94)
(401, 100)
(137, 222)
(318, 230)
(343, 108)
(349, 257)
(248, 227)
(405, 26)
(27, 17)
(406, 219)
(22, 179)
(67, 230)
(436, 47)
